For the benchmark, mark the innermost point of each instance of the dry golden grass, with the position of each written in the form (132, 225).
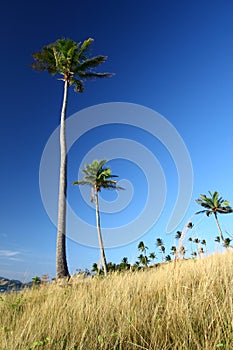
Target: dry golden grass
(184, 306)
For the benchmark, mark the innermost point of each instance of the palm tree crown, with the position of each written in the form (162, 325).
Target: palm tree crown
(97, 176)
(70, 60)
(214, 205)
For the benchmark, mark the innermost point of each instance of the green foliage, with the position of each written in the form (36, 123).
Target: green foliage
(71, 60)
(97, 176)
(213, 204)
(40, 343)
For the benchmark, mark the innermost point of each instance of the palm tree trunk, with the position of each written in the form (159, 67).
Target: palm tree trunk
(61, 262)
(219, 228)
(102, 253)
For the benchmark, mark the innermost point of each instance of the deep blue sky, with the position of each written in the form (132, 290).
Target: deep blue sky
(175, 57)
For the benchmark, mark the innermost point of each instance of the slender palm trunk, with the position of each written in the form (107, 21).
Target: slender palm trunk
(102, 253)
(219, 228)
(61, 262)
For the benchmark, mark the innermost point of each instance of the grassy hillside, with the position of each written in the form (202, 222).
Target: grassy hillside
(187, 305)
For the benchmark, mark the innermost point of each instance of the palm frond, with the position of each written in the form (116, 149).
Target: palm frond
(85, 49)
(93, 75)
(70, 59)
(92, 62)
(81, 182)
(200, 212)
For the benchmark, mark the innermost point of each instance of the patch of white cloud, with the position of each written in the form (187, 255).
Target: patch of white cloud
(8, 253)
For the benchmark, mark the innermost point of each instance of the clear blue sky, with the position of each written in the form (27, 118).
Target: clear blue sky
(175, 57)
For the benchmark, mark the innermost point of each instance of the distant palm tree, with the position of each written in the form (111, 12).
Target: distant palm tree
(174, 251)
(191, 244)
(227, 242)
(182, 251)
(152, 256)
(190, 225)
(36, 281)
(203, 242)
(197, 242)
(194, 254)
(142, 248)
(97, 177)
(201, 251)
(178, 235)
(168, 258)
(144, 260)
(124, 265)
(72, 62)
(214, 205)
(160, 245)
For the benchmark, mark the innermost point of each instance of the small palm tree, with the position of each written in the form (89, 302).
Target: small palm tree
(152, 256)
(214, 205)
(227, 242)
(124, 265)
(197, 242)
(190, 225)
(97, 177)
(144, 260)
(142, 248)
(36, 281)
(72, 62)
(182, 251)
(201, 251)
(178, 235)
(160, 245)
(194, 254)
(174, 251)
(191, 244)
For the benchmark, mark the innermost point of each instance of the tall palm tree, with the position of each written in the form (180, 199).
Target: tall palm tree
(97, 177)
(71, 61)
(214, 205)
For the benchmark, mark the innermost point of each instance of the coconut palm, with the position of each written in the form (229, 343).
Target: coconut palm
(142, 248)
(152, 256)
(174, 251)
(168, 258)
(97, 177)
(203, 242)
(160, 245)
(178, 235)
(227, 243)
(124, 265)
(214, 205)
(191, 244)
(71, 61)
(182, 251)
(36, 281)
(144, 260)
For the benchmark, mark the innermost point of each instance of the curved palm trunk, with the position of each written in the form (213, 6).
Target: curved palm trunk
(61, 262)
(219, 228)
(102, 253)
